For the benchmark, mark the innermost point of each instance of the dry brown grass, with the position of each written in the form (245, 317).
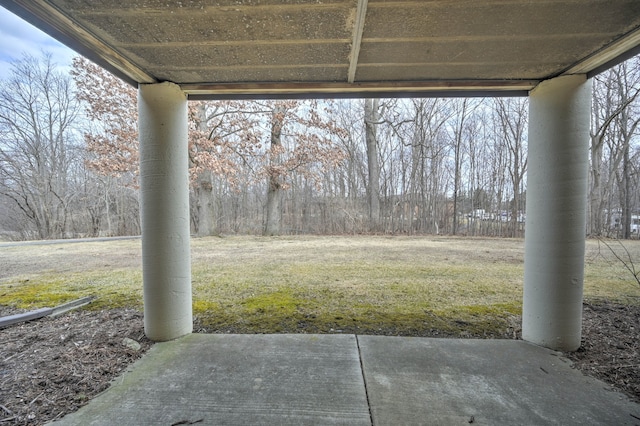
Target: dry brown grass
(395, 285)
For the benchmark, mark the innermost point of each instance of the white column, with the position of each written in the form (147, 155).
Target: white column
(164, 204)
(559, 114)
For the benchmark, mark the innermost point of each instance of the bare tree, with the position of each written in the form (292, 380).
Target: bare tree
(512, 119)
(615, 93)
(461, 130)
(462, 112)
(37, 143)
(428, 150)
(626, 81)
(354, 173)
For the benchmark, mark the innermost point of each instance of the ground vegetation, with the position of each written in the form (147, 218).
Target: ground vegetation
(410, 286)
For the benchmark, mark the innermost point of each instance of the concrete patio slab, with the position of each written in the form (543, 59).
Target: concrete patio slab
(414, 381)
(237, 380)
(353, 380)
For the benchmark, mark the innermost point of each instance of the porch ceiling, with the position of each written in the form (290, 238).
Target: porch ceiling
(282, 48)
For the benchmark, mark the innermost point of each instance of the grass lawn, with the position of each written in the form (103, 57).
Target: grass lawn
(363, 284)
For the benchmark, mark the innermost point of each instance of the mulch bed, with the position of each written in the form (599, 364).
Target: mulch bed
(610, 349)
(53, 366)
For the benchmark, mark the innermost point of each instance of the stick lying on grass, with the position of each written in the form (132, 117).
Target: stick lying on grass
(44, 312)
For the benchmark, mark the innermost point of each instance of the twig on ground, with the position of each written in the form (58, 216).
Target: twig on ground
(36, 398)
(187, 422)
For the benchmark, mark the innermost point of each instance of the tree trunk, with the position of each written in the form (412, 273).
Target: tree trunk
(371, 118)
(595, 197)
(626, 192)
(457, 165)
(205, 197)
(205, 205)
(274, 190)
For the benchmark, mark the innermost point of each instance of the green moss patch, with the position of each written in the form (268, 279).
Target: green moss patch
(112, 289)
(29, 295)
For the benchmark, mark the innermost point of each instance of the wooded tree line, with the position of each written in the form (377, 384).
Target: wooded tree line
(69, 160)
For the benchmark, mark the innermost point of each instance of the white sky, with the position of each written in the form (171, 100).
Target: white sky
(18, 37)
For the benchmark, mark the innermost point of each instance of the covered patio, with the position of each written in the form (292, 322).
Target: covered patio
(546, 50)
(176, 51)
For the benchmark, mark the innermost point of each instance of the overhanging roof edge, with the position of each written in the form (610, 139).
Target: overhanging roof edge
(61, 28)
(609, 56)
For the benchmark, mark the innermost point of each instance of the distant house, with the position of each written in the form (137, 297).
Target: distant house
(502, 215)
(615, 221)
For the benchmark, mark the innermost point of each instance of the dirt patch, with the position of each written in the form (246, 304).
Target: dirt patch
(53, 366)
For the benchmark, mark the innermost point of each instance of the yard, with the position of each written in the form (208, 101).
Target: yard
(394, 285)
(417, 286)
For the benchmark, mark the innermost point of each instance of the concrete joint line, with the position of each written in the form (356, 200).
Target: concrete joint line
(364, 380)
